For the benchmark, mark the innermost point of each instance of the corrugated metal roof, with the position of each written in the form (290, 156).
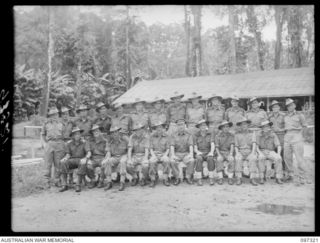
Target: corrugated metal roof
(275, 83)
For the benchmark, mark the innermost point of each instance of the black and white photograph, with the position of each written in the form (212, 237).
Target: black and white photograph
(163, 118)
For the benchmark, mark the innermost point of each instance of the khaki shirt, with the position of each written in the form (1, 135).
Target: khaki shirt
(278, 121)
(181, 141)
(117, 146)
(203, 142)
(223, 141)
(268, 141)
(85, 125)
(139, 144)
(159, 142)
(156, 116)
(140, 118)
(103, 123)
(294, 121)
(233, 114)
(98, 147)
(77, 150)
(195, 114)
(215, 115)
(67, 128)
(124, 121)
(52, 130)
(244, 140)
(256, 117)
(175, 112)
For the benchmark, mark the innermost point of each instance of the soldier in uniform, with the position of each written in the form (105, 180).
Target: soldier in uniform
(67, 128)
(234, 113)
(83, 122)
(159, 150)
(194, 114)
(267, 143)
(75, 158)
(97, 148)
(255, 114)
(294, 123)
(277, 119)
(138, 153)
(116, 155)
(245, 145)
(52, 134)
(103, 120)
(121, 119)
(158, 113)
(175, 111)
(204, 149)
(224, 142)
(140, 116)
(181, 153)
(215, 113)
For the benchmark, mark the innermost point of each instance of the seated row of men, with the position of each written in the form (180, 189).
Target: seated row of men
(57, 132)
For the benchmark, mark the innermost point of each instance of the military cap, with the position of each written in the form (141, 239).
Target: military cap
(138, 126)
(265, 123)
(252, 99)
(289, 101)
(99, 105)
(201, 122)
(138, 100)
(194, 95)
(64, 109)
(215, 96)
(114, 128)
(223, 123)
(94, 127)
(157, 99)
(234, 97)
(52, 111)
(243, 119)
(76, 129)
(274, 102)
(82, 108)
(176, 94)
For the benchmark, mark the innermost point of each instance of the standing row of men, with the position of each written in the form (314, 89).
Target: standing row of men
(175, 138)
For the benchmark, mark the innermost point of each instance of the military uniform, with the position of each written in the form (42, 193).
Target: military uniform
(181, 141)
(256, 116)
(293, 142)
(278, 125)
(175, 112)
(139, 164)
(157, 116)
(55, 147)
(85, 125)
(124, 121)
(159, 143)
(214, 116)
(140, 118)
(234, 114)
(117, 147)
(268, 142)
(67, 128)
(193, 116)
(104, 124)
(203, 143)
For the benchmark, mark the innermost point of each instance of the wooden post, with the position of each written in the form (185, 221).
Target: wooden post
(268, 104)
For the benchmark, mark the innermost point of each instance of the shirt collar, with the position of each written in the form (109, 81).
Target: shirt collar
(292, 113)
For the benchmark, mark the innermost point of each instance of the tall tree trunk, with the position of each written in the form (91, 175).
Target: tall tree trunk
(46, 90)
(196, 40)
(128, 63)
(232, 54)
(294, 30)
(279, 17)
(253, 27)
(187, 31)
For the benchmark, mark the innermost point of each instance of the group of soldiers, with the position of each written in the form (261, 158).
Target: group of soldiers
(176, 143)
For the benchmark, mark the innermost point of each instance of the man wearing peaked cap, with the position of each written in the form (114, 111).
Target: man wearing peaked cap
(245, 146)
(97, 148)
(294, 123)
(181, 155)
(234, 113)
(175, 111)
(55, 147)
(159, 149)
(116, 156)
(140, 115)
(158, 113)
(204, 149)
(224, 144)
(215, 113)
(255, 114)
(195, 113)
(83, 122)
(267, 144)
(103, 120)
(76, 158)
(138, 152)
